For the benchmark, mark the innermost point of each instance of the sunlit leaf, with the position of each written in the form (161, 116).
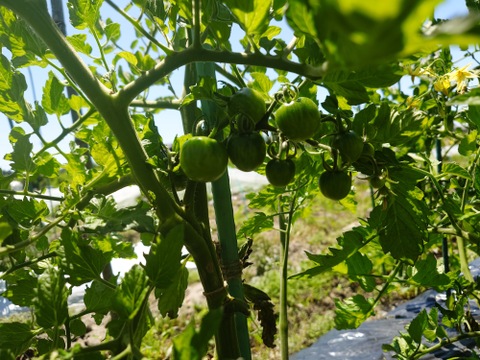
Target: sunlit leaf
(251, 15)
(352, 312)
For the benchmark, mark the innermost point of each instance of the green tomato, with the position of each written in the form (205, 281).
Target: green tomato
(248, 102)
(279, 172)
(203, 159)
(246, 151)
(378, 181)
(349, 145)
(298, 120)
(335, 185)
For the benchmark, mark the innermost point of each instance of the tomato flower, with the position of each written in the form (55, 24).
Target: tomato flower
(442, 84)
(461, 76)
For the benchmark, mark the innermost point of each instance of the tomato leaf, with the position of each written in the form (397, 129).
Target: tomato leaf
(26, 212)
(84, 13)
(359, 269)
(352, 312)
(428, 275)
(99, 297)
(349, 244)
(51, 308)
(19, 290)
(80, 261)
(256, 224)
(456, 170)
(163, 261)
(170, 299)
(53, 97)
(15, 336)
(253, 16)
(131, 293)
(404, 227)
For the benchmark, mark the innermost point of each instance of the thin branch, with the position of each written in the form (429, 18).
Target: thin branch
(191, 55)
(138, 27)
(32, 195)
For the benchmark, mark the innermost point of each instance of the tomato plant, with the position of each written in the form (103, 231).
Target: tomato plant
(298, 119)
(246, 150)
(123, 63)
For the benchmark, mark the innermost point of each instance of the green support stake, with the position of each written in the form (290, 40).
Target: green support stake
(222, 203)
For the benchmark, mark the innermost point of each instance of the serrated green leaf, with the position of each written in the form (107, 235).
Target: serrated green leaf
(427, 274)
(20, 291)
(99, 297)
(468, 145)
(359, 269)
(112, 31)
(171, 298)
(349, 244)
(51, 307)
(403, 231)
(261, 82)
(256, 224)
(417, 326)
(5, 230)
(253, 16)
(106, 218)
(131, 293)
(80, 44)
(21, 155)
(80, 261)
(128, 57)
(84, 13)
(456, 170)
(164, 259)
(15, 336)
(352, 312)
(26, 212)
(53, 97)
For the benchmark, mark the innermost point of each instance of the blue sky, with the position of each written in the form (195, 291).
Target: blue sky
(168, 121)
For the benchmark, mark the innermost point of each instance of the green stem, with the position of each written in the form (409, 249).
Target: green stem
(448, 341)
(285, 227)
(32, 195)
(138, 27)
(176, 60)
(283, 317)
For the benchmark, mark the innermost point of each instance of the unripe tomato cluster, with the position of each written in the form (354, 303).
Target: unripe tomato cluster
(205, 159)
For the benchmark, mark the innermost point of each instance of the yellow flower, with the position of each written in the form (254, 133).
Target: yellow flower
(442, 84)
(461, 76)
